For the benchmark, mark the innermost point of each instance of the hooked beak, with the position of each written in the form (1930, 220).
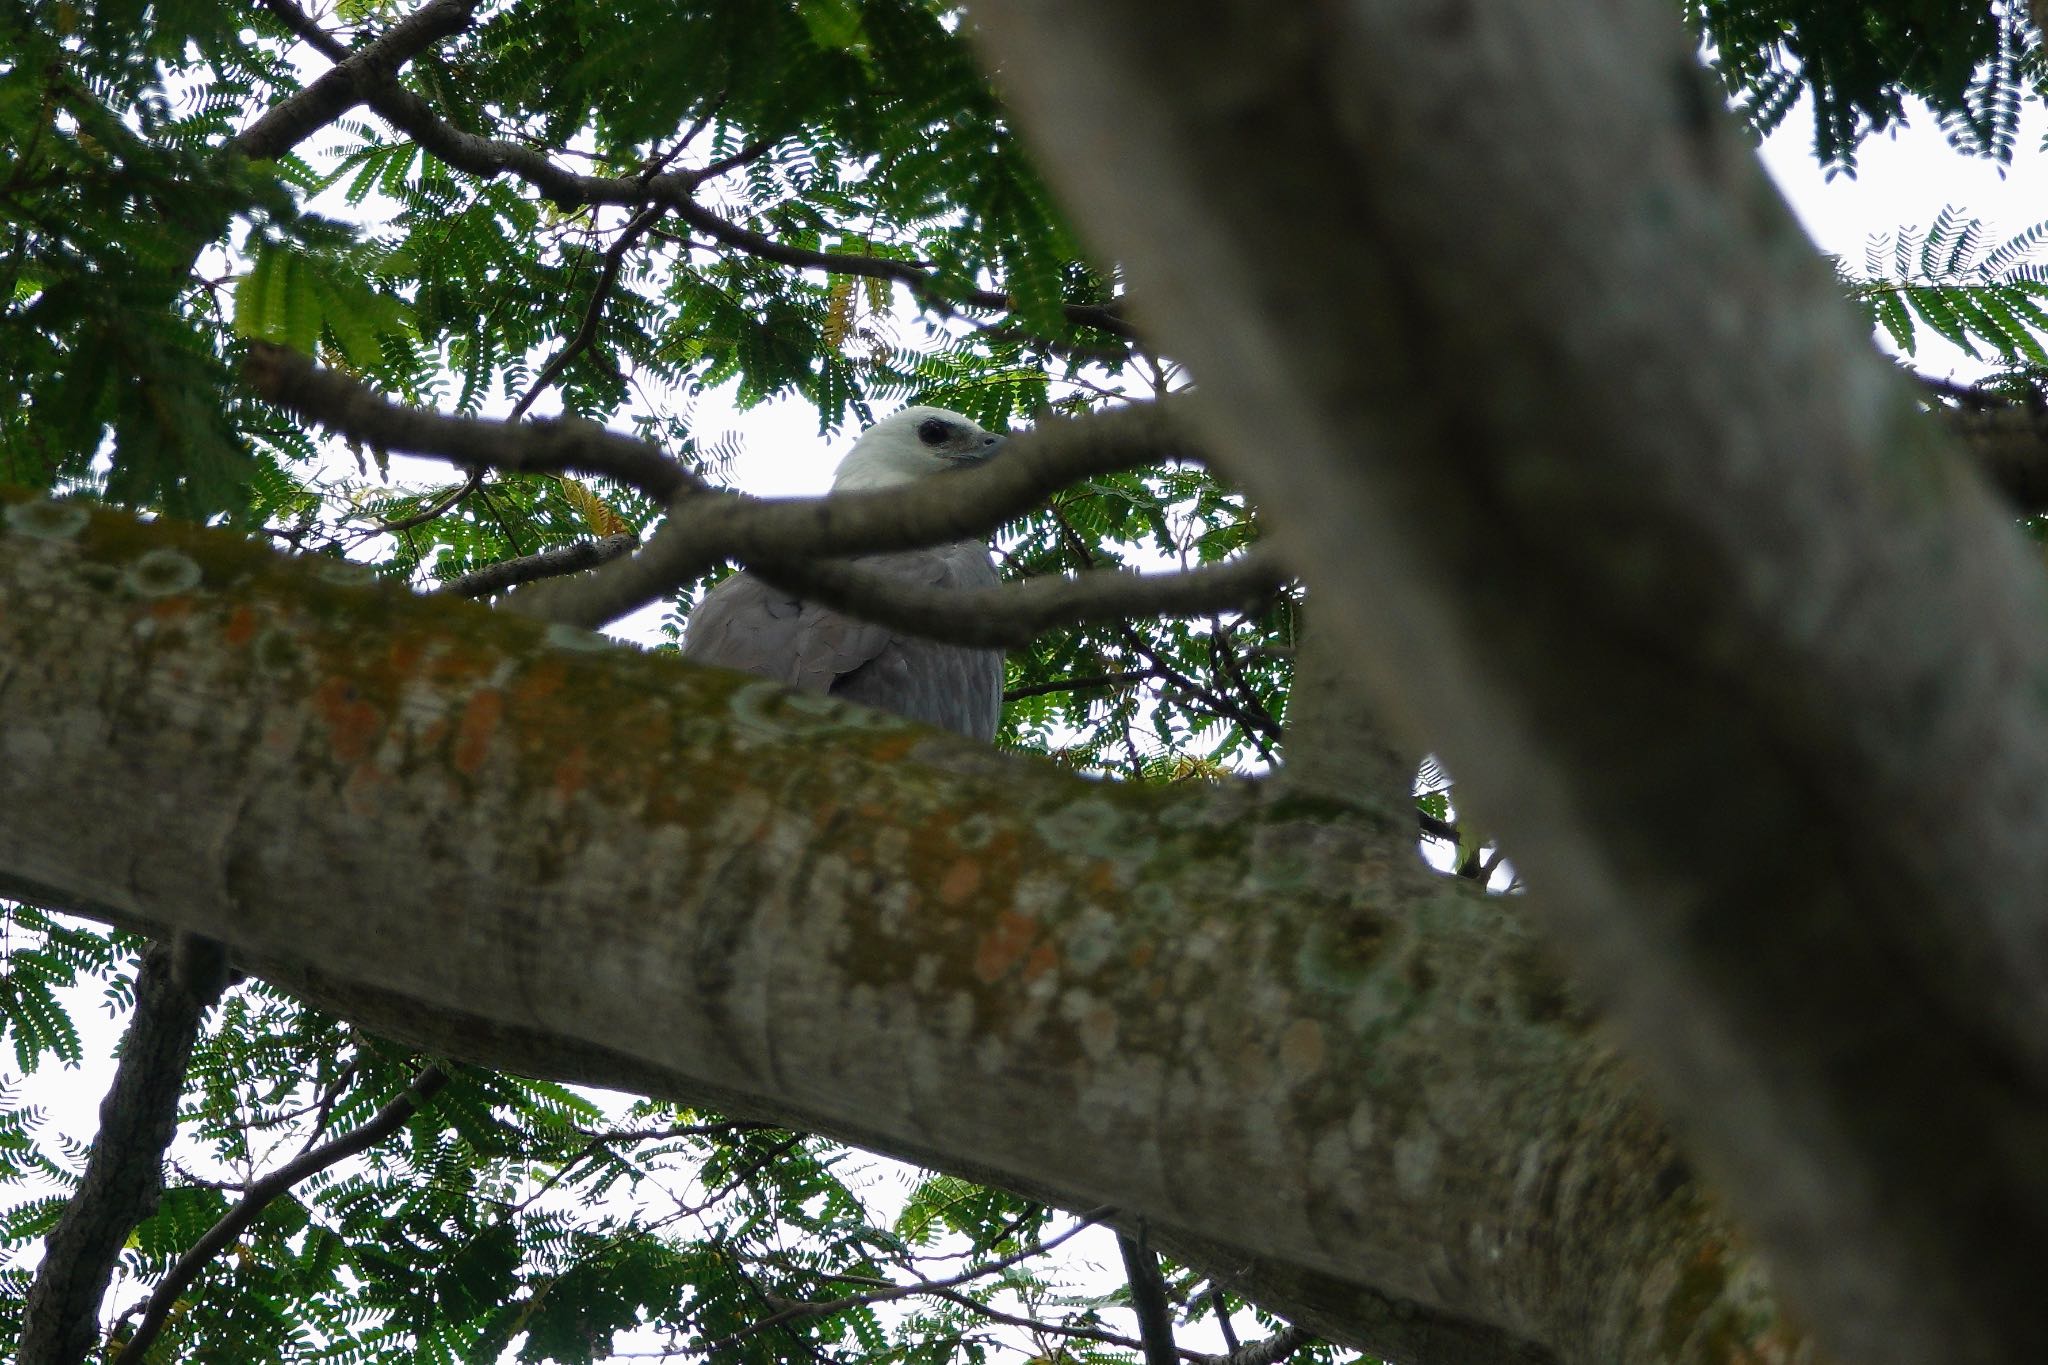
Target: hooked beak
(991, 445)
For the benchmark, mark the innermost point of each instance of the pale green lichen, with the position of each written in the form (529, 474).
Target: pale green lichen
(768, 708)
(43, 519)
(1090, 825)
(563, 636)
(344, 573)
(160, 573)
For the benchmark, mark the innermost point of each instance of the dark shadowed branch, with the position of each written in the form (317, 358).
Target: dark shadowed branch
(675, 191)
(123, 1177)
(548, 446)
(1148, 1299)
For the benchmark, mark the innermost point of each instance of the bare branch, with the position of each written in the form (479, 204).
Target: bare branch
(607, 277)
(1088, 684)
(1012, 616)
(798, 1311)
(285, 124)
(703, 528)
(307, 29)
(553, 445)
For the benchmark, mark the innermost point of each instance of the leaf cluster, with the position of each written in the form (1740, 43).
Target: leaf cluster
(1971, 62)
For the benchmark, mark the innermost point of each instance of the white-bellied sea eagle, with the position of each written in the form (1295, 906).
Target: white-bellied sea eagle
(745, 624)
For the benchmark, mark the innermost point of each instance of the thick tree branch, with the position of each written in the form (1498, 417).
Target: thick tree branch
(123, 1177)
(666, 871)
(1736, 652)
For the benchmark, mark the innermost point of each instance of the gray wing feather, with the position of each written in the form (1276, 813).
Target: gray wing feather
(746, 625)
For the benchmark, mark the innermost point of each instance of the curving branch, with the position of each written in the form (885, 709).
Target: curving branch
(600, 294)
(703, 531)
(786, 1312)
(676, 192)
(344, 85)
(706, 527)
(552, 445)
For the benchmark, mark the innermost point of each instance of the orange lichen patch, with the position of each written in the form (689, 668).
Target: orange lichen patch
(1102, 879)
(241, 627)
(277, 738)
(889, 748)
(477, 728)
(539, 682)
(404, 653)
(960, 883)
(572, 772)
(353, 725)
(1140, 956)
(1042, 960)
(1003, 946)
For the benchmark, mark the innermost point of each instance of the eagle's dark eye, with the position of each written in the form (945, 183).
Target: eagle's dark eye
(932, 431)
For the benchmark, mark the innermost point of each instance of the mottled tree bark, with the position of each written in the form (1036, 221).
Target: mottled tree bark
(1243, 1018)
(1582, 454)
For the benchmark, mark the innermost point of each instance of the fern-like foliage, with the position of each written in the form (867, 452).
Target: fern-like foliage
(1985, 297)
(1971, 62)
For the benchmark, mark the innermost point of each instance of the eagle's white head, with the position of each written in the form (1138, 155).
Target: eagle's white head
(908, 445)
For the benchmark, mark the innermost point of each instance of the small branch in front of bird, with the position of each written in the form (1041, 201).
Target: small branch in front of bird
(1015, 614)
(555, 563)
(704, 529)
(438, 507)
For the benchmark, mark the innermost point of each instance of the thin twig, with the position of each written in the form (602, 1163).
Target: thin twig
(555, 563)
(238, 1219)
